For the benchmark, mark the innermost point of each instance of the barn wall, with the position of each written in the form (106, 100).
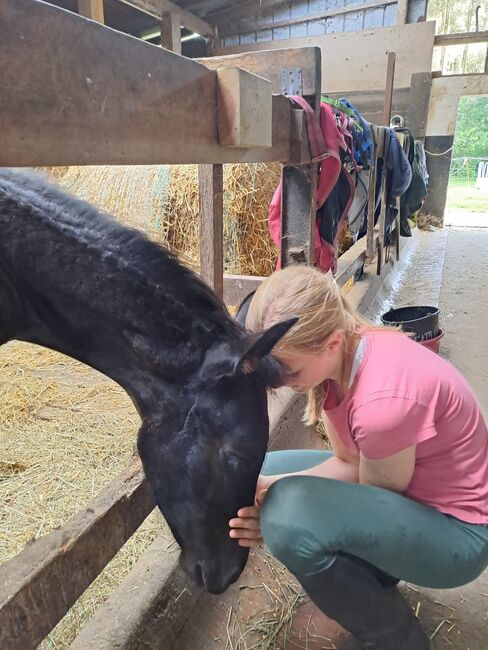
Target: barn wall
(356, 61)
(260, 28)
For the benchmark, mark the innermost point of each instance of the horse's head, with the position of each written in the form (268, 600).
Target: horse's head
(203, 471)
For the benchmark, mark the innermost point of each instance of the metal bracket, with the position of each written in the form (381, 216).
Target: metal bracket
(291, 81)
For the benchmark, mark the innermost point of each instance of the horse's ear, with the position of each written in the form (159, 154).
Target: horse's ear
(256, 347)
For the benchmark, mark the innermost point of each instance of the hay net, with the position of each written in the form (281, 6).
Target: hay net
(163, 201)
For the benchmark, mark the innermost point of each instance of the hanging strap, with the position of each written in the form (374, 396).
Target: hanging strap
(316, 141)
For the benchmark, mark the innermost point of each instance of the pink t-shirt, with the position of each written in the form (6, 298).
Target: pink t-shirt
(402, 395)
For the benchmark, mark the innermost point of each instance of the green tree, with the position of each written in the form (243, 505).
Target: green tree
(471, 137)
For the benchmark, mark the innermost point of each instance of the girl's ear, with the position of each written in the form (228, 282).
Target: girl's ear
(334, 341)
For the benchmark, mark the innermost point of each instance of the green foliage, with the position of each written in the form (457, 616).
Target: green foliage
(471, 138)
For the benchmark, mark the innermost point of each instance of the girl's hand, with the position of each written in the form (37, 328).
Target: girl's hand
(245, 527)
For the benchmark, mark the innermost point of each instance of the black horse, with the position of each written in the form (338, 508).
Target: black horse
(74, 280)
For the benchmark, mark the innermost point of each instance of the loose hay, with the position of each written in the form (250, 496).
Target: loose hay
(65, 432)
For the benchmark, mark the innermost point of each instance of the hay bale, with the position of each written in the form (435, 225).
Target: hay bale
(163, 202)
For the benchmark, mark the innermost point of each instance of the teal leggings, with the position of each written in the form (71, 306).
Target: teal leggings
(306, 520)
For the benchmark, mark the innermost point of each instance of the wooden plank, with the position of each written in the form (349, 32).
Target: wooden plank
(92, 9)
(413, 44)
(211, 193)
(390, 77)
(402, 12)
(419, 103)
(244, 108)
(148, 609)
(157, 7)
(171, 32)
(237, 287)
(462, 38)
(228, 28)
(96, 96)
(40, 584)
(270, 63)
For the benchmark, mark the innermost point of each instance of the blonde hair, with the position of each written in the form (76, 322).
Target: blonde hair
(316, 300)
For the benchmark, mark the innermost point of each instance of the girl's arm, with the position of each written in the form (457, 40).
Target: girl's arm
(393, 473)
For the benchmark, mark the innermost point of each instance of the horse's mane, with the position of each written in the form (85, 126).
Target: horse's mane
(123, 247)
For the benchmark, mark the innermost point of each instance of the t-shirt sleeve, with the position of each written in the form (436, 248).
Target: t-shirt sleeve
(385, 426)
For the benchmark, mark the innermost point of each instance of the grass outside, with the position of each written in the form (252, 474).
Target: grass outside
(462, 195)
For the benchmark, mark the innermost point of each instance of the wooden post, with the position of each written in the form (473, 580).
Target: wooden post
(92, 9)
(298, 208)
(210, 184)
(171, 32)
(418, 104)
(402, 12)
(381, 218)
(372, 197)
(390, 76)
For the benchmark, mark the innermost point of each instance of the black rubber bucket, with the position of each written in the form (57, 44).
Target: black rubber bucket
(422, 322)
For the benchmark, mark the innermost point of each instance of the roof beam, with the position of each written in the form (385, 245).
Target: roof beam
(156, 8)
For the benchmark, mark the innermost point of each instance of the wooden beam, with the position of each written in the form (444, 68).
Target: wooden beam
(171, 32)
(156, 8)
(390, 78)
(270, 63)
(402, 12)
(211, 193)
(418, 104)
(237, 287)
(232, 28)
(244, 108)
(93, 95)
(40, 584)
(92, 9)
(463, 38)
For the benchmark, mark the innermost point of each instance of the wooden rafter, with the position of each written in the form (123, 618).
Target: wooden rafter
(156, 8)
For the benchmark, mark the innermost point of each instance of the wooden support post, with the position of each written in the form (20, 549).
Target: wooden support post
(380, 149)
(298, 193)
(298, 185)
(210, 185)
(418, 103)
(171, 32)
(390, 76)
(92, 9)
(402, 12)
(372, 198)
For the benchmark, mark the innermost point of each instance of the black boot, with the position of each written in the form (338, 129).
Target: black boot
(366, 603)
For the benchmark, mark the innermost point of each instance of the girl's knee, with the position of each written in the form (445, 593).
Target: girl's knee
(284, 531)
